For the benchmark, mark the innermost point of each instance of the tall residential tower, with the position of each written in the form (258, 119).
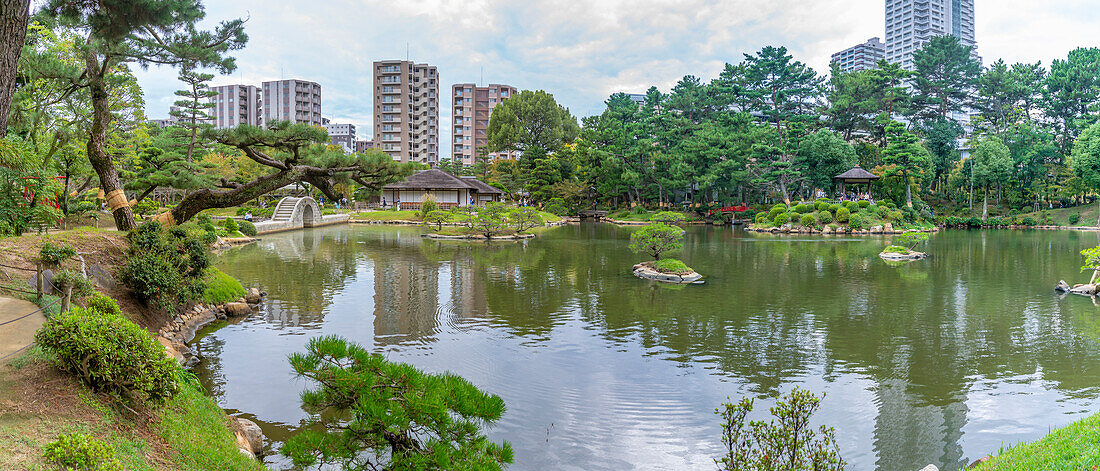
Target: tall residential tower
(406, 111)
(910, 24)
(472, 107)
(863, 56)
(235, 105)
(297, 101)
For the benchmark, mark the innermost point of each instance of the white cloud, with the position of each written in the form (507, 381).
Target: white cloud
(581, 51)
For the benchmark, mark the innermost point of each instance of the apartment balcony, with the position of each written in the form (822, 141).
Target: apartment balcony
(390, 69)
(391, 119)
(396, 138)
(390, 79)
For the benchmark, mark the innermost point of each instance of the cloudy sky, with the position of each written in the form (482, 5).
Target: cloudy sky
(581, 51)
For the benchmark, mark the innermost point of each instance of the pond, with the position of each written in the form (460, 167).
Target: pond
(938, 361)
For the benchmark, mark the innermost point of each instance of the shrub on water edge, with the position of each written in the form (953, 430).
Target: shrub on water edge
(803, 208)
(776, 211)
(165, 266)
(110, 354)
(77, 451)
(974, 222)
(231, 225)
(1029, 221)
(855, 221)
(842, 215)
(671, 265)
(247, 228)
(781, 219)
(1074, 218)
(761, 218)
(863, 203)
(825, 217)
(220, 287)
(808, 220)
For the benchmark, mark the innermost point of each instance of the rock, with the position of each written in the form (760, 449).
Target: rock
(1062, 287)
(876, 229)
(171, 350)
(1089, 289)
(237, 309)
(643, 270)
(930, 467)
(249, 436)
(241, 300)
(826, 230)
(889, 229)
(980, 461)
(101, 277)
(253, 296)
(47, 284)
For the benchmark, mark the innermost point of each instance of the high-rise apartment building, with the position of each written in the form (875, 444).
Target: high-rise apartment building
(342, 135)
(362, 146)
(235, 105)
(406, 111)
(472, 106)
(910, 24)
(297, 101)
(863, 56)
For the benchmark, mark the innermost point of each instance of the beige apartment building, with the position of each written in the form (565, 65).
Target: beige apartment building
(297, 101)
(472, 106)
(406, 111)
(235, 105)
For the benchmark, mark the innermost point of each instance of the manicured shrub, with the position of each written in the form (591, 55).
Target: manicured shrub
(54, 254)
(883, 212)
(842, 215)
(781, 219)
(80, 452)
(1029, 221)
(656, 239)
(852, 206)
(163, 266)
(99, 302)
(247, 228)
(557, 207)
(864, 203)
(1073, 218)
(808, 220)
(833, 207)
(803, 208)
(821, 205)
(780, 206)
(427, 205)
(110, 354)
(671, 265)
(855, 221)
(231, 225)
(776, 211)
(895, 216)
(761, 218)
(825, 217)
(220, 287)
(668, 217)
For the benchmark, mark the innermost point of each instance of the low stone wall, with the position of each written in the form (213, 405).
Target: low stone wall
(902, 257)
(177, 332)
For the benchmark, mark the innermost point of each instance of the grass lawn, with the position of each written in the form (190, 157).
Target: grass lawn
(549, 217)
(406, 215)
(1061, 216)
(1074, 447)
(671, 265)
(221, 287)
(188, 432)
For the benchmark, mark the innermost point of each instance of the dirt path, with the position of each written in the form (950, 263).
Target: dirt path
(18, 321)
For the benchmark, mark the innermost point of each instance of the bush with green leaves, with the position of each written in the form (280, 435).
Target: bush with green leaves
(372, 413)
(825, 217)
(657, 239)
(1029, 221)
(911, 239)
(231, 225)
(821, 205)
(803, 208)
(668, 217)
(110, 354)
(863, 203)
(247, 228)
(220, 287)
(776, 211)
(525, 218)
(762, 218)
(558, 207)
(853, 207)
(1073, 218)
(100, 302)
(65, 280)
(895, 216)
(54, 254)
(427, 205)
(808, 220)
(834, 207)
(79, 452)
(671, 265)
(165, 266)
(842, 215)
(788, 442)
(438, 218)
(491, 220)
(882, 211)
(781, 219)
(855, 221)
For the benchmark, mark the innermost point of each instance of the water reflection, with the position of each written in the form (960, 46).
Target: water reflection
(938, 361)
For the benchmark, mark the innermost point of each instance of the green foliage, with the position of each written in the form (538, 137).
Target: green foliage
(781, 219)
(522, 219)
(895, 216)
(247, 228)
(231, 225)
(863, 203)
(1092, 258)
(55, 254)
(787, 442)
(855, 221)
(656, 239)
(220, 287)
(852, 206)
(110, 354)
(668, 217)
(776, 211)
(491, 220)
(803, 208)
(671, 265)
(896, 249)
(882, 211)
(808, 220)
(79, 452)
(165, 266)
(427, 205)
(834, 207)
(842, 215)
(372, 413)
(1074, 218)
(81, 286)
(99, 302)
(911, 239)
(825, 217)
(438, 218)
(533, 123)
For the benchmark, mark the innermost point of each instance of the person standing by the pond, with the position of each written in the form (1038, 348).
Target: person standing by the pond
(397, 201)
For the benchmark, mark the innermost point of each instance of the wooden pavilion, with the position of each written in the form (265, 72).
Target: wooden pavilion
(856, 176)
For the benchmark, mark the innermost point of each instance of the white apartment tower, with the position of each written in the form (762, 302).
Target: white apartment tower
(297, 101)
(406, 111)
(235, 105)
(472, 107)
(863, 56)
(910, 24)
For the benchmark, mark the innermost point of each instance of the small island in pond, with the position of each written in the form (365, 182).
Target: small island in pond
(656, 239)
(903, 251)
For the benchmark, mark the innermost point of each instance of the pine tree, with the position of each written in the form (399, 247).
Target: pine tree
(905, 156)
(191, 113)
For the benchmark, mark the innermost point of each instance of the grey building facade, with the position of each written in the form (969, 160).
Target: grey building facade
(862, 56)
(910, 24)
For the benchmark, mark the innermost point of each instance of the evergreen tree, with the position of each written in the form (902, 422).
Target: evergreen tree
(1086, 159)
(191, 113)
(1071, 93)
(945, 75)
(904, 156)
(992, 166)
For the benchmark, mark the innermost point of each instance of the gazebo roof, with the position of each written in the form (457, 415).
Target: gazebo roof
(857, 174)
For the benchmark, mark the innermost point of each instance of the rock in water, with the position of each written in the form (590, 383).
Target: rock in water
(237, 309)
(1062, 287)
(249, 436)
(253, 296)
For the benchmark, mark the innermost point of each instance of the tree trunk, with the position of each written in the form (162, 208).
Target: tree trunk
(13, 30)
(206, 198)
(985, 205)
(908, 189)
(97, 141)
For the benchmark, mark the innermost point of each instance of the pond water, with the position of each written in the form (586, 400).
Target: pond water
(939, 361)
